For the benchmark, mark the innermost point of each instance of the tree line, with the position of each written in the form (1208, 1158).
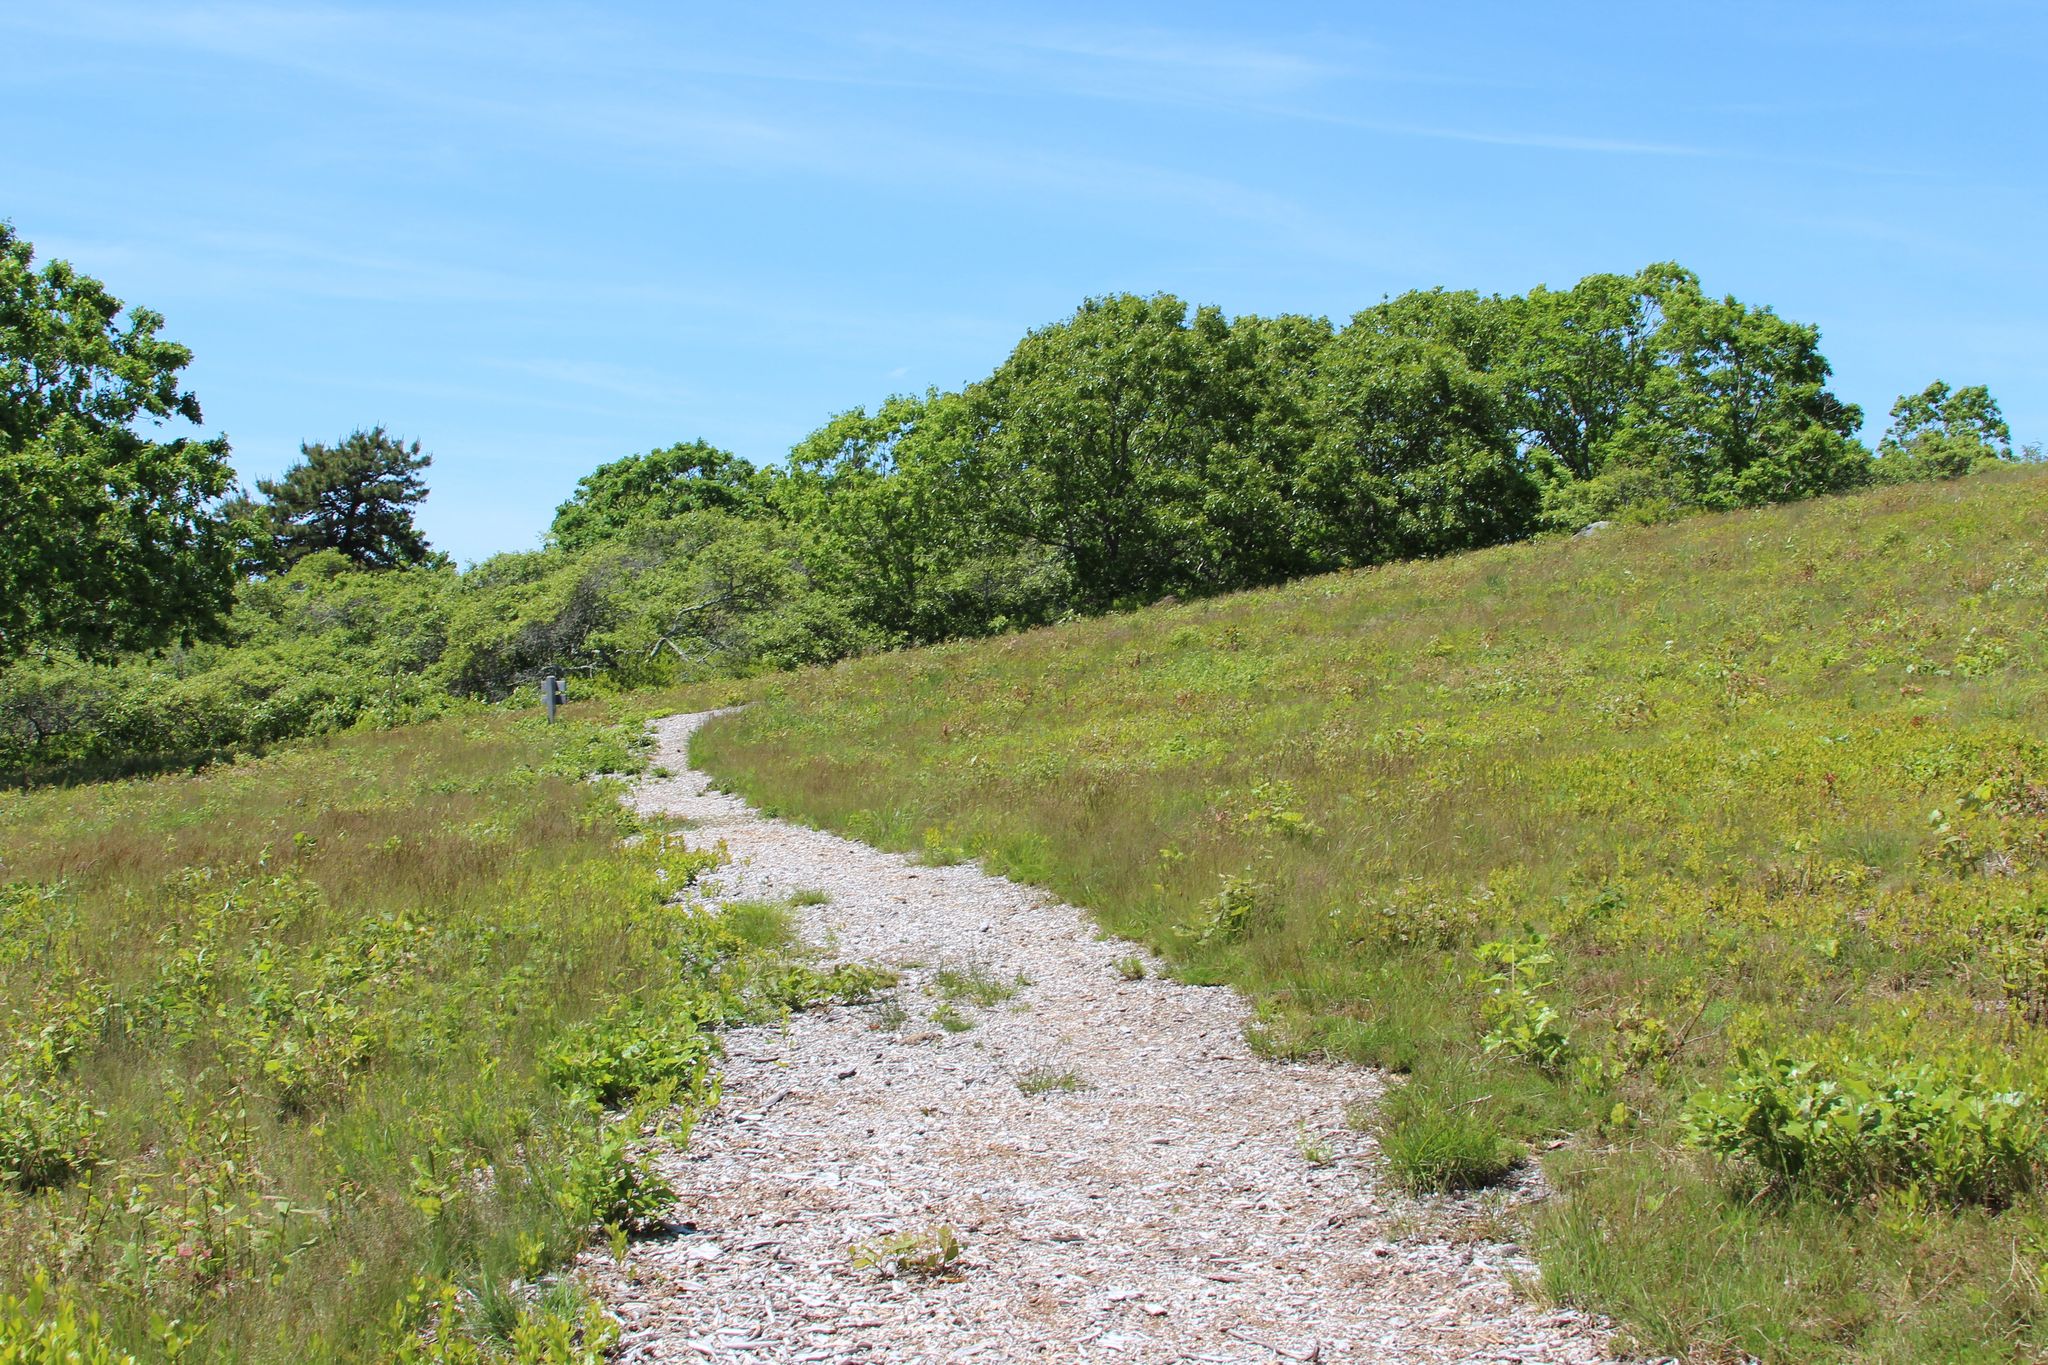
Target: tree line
(1136, 449)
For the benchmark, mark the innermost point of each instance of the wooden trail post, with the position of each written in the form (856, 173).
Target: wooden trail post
(553, 692)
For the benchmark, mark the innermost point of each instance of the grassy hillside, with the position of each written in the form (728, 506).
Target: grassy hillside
(1715, 852)
(319, 1057)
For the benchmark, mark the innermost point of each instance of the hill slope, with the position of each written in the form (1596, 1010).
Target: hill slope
(1749, 808)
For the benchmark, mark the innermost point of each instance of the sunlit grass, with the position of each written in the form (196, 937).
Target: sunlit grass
(1753, 778)
(343, 1026)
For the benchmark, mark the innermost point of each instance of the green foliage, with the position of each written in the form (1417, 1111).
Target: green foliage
(977, 985)
(659, 486)
(111, 541)
(497, 1326)
(1941, 432)
(892, 528)
(1434, 1143)
(1519, 1021)
(1095, 440)
(1415, 452)
(606, 1184)
(1046, 1080)
(355, 498)
(283, 1041)
(1232, 913)
(47, 1135)
(1845, 1120)
(949, 1018)
(44, 1327)
(632, 1049)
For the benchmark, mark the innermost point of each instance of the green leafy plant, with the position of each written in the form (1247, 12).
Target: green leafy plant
(606, 1184)
(1843, 1121)
(1520, 1021)
(48, 1137)
(44, 1326)
(632, 1049)
(1232, 913)
(931, 1253)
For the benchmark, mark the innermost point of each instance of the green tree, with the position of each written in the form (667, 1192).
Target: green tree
(1416, 451)
(1579, 359)
(687, 477)
(356, 497)
(1941, 432)
(891, 524)
(1265, 375)
(110, 540)
(1093, 441)
(1726, 405)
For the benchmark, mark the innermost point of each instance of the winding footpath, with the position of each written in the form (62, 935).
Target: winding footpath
(1190, 1202)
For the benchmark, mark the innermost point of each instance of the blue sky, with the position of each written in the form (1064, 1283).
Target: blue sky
(538, 238)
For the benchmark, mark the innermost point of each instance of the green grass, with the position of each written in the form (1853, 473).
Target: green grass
(977, 985)
(300, 1052)
(1774, 781)
(1437, 1139)
(1046, 1080)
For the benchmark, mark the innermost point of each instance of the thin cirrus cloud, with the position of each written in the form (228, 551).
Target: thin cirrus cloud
(1145, 65)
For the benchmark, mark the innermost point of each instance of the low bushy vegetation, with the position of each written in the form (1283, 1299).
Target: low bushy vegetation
(336, 1055)
(1848, 1122)
(1703, 863)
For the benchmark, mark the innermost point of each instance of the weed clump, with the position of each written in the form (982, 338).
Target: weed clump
(1042, 1080)
(631, 1050)
(977, 985)
(47, 1137)
(44, 1326)
(933, 1253)
(1231, 914)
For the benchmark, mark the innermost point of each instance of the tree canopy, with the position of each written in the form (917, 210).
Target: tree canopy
(356, 497)
(111, 540)
(687, 477)
(1940, 432)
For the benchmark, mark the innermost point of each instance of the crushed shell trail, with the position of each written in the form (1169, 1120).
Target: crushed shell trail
(1165, 1213)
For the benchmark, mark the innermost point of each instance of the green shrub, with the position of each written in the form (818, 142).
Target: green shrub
(1231, 914)
(42, 1327)
(632, 1049)
(1519, 1020)
(47, 1136)
(1845, 1123)
(607, 1185)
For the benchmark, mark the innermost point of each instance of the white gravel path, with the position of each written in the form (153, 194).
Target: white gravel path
(1165, 1213)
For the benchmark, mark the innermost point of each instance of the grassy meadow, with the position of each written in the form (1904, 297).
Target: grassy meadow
(1706, 863)
(338, 1054)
